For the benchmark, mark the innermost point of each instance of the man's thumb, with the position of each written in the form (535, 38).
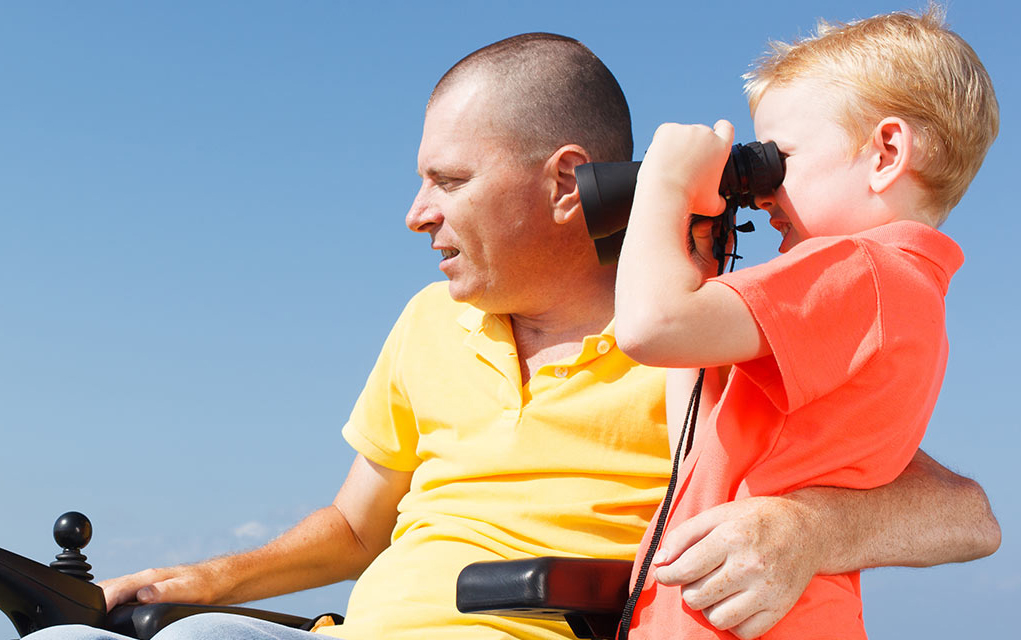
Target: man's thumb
(150, 594)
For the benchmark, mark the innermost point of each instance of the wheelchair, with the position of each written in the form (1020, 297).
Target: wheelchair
(588, 594)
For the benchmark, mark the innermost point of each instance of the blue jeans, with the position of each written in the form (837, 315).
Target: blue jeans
(214, 626)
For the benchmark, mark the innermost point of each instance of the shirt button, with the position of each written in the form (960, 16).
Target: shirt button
(603, 347)
(560, 372)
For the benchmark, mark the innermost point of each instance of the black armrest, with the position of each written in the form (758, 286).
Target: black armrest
(589, 594)
(35, 596)
(142, 621)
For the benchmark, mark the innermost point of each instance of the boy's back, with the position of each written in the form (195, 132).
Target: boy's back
(840, 343)
(859, 351)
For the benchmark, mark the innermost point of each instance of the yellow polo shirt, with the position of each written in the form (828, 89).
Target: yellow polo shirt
(573, 463)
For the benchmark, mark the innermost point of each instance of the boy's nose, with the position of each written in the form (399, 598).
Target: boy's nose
(766, 202)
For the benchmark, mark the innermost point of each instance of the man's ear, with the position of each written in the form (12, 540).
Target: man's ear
(892, 147)
(564, 198)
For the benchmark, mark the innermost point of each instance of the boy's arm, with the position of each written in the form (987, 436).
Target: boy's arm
(680, 383)
(746, 563)
(666, 314)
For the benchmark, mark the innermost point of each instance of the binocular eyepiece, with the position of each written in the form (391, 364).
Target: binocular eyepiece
(607, 190)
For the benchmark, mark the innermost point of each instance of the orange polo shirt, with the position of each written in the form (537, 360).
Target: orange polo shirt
(859, 348)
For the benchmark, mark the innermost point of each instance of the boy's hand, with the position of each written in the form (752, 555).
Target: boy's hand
(667, 315)
(686, 161)
(743, 564)
(702, 235)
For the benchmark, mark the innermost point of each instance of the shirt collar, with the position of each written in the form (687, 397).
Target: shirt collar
(498, 327)
(923, 240)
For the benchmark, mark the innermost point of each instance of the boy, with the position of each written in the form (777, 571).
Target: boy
(839, 343)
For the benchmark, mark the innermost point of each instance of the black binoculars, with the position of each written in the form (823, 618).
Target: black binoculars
(607, 190)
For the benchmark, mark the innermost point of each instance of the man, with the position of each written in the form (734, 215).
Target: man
(502, 421)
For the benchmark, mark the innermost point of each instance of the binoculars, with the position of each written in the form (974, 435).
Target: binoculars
(607, 190)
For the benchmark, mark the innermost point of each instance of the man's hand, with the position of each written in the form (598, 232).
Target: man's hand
(743, 564)
(193, 584)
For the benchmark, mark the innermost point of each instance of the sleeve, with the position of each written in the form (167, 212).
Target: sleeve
(818, 306)
(382, 425)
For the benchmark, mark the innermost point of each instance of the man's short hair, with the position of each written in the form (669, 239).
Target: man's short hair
(904, 65)
(551, 91)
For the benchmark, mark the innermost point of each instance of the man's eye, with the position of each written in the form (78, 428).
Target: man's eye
(448, 184)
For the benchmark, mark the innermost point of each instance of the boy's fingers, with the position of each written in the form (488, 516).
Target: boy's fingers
(725, 130)
(702, 232)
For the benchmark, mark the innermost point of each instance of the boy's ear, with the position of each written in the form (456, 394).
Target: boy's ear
(891, 146)
(564, 198)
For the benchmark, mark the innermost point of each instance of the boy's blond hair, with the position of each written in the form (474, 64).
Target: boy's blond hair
(905, 65)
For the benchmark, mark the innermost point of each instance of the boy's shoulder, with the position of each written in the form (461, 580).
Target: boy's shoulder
(830, 306)
(906, 243)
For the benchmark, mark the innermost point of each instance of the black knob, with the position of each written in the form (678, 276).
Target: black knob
(72, 531)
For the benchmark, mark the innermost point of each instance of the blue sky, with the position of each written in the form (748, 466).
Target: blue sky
(202, 248)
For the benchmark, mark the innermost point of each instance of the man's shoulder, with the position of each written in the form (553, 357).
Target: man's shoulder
(433, 304)
(435, 298)
(434, 294)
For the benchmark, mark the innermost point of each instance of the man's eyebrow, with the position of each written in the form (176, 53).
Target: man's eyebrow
(454, 170)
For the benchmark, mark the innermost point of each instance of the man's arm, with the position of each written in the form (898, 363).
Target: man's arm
(928, 516)
(745, 563)
(332, 544)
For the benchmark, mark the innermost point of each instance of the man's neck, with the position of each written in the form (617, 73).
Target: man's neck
(558, 331)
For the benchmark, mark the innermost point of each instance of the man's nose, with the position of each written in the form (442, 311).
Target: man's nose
(423, 214)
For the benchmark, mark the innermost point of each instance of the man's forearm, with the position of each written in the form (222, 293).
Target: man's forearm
(334, 543)
(320, 550)
(927, 516)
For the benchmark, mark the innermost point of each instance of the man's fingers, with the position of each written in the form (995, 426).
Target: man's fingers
(692, 564)
(688, 533)
(151, 593)
(117, 594)
(709, 591)
(756, 625)
(737, 610)
(125, 589)
(151, 585)
(163, 591)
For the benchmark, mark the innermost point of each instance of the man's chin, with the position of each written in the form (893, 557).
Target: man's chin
(461, 293)
(473, 295)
